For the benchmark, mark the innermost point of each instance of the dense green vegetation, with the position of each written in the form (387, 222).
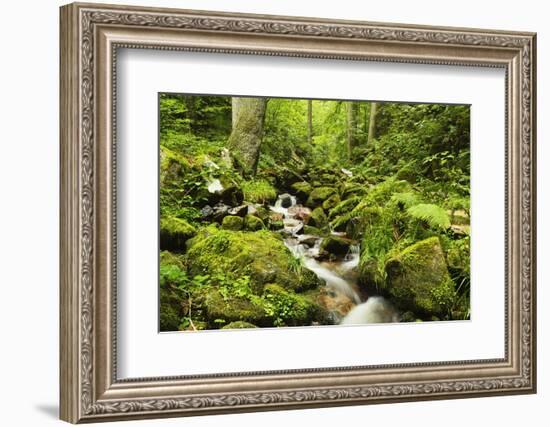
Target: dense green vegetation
(390, 180)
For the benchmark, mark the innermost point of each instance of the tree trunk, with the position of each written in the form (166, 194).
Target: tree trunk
(309, 121)
(372, 122)
(353, 111)
(248, 116)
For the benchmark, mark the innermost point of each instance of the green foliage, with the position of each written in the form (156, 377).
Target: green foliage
(434, 215)
(410, 183)
(258, 191)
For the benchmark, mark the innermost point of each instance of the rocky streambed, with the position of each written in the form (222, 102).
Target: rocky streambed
(334, 258)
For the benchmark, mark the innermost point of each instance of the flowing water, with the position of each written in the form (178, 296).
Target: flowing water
(340, 276)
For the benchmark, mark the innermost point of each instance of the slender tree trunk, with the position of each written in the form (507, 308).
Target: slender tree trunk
(372, 122)
(248, 117)
(309, 121)
(353, 111)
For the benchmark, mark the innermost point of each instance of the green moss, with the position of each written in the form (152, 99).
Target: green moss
(170, 258)
(318, 219)
(286, 308)
(458, 255)
(335, 245)
(221, 310)
(260, 254)
(302, 189)
(174, 232)
(232, 222)
(319, 195)
(258, 191)
(253, 223)
(173, 166)
(418, 280)
(309, 229)
(331, 202)
(239, 325)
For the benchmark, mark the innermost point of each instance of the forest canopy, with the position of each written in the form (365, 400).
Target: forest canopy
(293, 212)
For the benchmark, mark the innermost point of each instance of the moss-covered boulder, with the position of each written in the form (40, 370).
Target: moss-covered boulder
(319, 195)
(418, 280)
(314, 231)
(174, 232)
(331, 202)
(239, 325)
(173, 166)
(261, 255)
(302, 190)
(232, 195)
(253, 223)
(318, 219)
(335, 246)
(232, 222)
(222, 310)
(172, 299)
(287, 308)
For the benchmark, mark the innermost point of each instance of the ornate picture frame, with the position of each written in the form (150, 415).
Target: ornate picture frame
(90, 37)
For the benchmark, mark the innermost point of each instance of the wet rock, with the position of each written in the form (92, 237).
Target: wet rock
(319, 195)
(220, 211)
(231, 222)
(232, 196)
(308, 240)
(174, 232)
(252, 223)
(286, 200)
(418, 280)
(334, 245)
(207, 212)
(331, 202)
(302, 190)
(300, 212)
(241, 210)
(276, 217)
(318, 218)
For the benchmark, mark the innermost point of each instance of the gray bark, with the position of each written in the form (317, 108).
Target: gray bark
(248, 116)
(372, 122)
(352, 113)
(309, 121)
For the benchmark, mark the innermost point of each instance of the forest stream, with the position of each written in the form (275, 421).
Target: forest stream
(340, 276)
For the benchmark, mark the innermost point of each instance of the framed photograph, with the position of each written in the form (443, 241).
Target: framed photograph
(266, 212)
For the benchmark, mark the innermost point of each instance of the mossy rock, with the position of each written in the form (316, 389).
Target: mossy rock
(261, 255)
(418, 280)
(458, 255)
(221, 311)
(173, 166)
(253, 223)
(232, 222)
(232, 195)
(174, 232)
(170, 258)
(172, 299)
(335, 246)
(239, 324)
(319, 195)
(331, 202)
(314, 231)
(287, 308)
(318, 219)
(302, 190)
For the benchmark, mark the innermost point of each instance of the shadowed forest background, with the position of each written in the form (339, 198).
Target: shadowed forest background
(287, 212)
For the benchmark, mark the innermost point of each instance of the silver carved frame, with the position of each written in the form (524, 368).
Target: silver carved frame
(90, 36)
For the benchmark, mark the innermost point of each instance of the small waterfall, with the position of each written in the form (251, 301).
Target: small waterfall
(375, 310)
(215, 186)
(336, 274)
(278, 207)
(332, 280)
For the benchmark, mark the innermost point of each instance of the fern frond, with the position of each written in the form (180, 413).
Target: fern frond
(344, 206)
(406, 199)
(434, 215)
